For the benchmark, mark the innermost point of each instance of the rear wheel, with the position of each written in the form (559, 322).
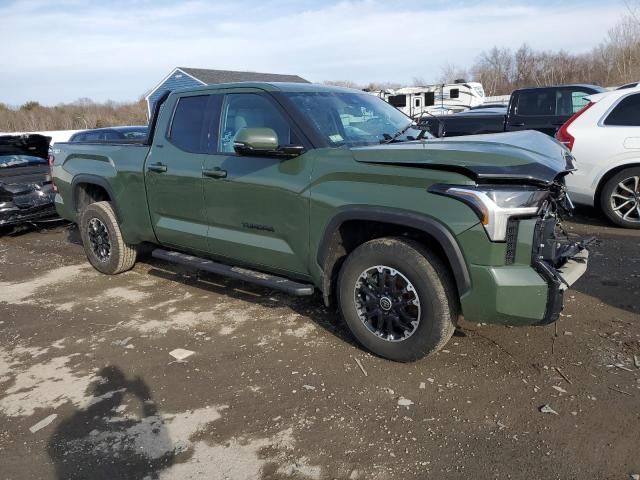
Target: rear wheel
(102, 239)
(397, 298)
(620, 198)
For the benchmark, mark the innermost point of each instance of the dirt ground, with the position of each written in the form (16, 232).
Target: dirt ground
(88, 388)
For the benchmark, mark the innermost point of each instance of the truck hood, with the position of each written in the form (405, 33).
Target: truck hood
(523, 157)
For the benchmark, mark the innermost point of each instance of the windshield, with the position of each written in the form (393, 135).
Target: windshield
(353, 119)
(20, 161)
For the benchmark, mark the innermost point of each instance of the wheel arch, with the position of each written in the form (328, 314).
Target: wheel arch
(87, 188)
(344, 232)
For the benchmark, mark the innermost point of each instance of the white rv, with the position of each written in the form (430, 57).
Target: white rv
(435, 99)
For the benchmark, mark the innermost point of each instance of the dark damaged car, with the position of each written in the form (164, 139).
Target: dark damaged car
(26, 191)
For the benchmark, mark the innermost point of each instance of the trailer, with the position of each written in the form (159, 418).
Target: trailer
(442, 99)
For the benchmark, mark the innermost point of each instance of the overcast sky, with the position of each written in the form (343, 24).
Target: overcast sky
(56, 52)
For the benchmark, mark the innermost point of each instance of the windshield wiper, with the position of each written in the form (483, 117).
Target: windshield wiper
(391, 138)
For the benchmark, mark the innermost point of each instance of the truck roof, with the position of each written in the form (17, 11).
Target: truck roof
(584, 85)
(272, 87)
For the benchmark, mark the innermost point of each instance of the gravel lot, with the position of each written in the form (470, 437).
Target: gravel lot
(274, 390)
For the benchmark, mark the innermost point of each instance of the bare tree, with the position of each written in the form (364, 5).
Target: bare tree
(81, 114)
(450, 72)
(342, 83)
(615, 61)
(419, 82)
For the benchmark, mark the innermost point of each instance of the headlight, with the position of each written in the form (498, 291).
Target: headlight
(495, 205)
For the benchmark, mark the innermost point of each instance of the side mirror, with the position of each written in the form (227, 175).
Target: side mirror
(441, 129)
(263, 141)
(255, 141)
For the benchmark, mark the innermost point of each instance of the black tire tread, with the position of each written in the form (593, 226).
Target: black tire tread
(127, 254)
(427, 262)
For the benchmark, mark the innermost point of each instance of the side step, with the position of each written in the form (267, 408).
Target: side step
(257, 278)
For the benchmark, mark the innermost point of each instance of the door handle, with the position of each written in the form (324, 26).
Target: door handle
(519, 124)
(216, 172)
(157, 167)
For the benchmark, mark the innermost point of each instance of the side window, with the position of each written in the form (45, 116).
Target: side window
(398, 101)
(570, 101)
(579, 100)
(626, 113)
(250, 110)
(429, 98)
(112, 135)
(188, 124)
(454, 93)
(536, 103)
(92, 137)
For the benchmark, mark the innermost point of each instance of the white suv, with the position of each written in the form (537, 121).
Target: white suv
(604, 137)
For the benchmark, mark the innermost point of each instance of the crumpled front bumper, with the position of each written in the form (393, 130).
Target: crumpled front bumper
(34, 202)
(561, 262)
(525, 278)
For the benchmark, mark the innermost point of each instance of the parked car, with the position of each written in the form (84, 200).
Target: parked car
(300, 187)
(26, 191)
(112, 133)
(628, 85)
(605, 139)
(543, 109)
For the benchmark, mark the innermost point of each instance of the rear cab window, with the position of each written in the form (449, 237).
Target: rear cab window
(536, 103)
(194, 126)
(626, 113)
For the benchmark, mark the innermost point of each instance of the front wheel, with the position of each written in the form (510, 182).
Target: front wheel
(397, 298)
(103, 244)
(620, 199)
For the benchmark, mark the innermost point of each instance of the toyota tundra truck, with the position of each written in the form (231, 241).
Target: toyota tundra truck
(306, 188)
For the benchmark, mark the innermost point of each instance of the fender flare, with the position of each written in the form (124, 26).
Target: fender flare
(93, 180)
(403, 218)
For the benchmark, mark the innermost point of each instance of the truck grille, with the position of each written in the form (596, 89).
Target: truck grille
(512, 240)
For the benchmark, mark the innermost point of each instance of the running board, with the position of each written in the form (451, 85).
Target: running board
(238, 273)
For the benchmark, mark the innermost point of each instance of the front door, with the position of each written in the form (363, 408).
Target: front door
(174, 173)
(257, 207)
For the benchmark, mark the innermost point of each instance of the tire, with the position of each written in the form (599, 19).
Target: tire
(422, 276)
(102, 240)
(614, 195)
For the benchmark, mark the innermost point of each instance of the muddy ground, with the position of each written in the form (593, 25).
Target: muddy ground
(88, 388)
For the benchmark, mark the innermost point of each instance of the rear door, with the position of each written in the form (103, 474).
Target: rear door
(624, 124)
(257, 207)
(174, 171)
(533, 110)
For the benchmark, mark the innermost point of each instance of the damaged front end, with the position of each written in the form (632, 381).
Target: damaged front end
(559, 258)
(523, 220)
(26, 191)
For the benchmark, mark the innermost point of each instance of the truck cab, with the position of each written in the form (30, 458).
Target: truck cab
(306, 188)
(544, 109)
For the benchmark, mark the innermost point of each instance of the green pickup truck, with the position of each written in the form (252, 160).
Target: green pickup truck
(302, 187)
